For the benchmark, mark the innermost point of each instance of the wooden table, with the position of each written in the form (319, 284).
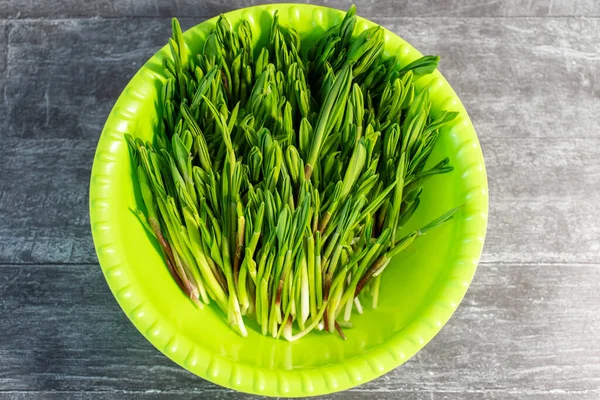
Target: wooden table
(529, 75)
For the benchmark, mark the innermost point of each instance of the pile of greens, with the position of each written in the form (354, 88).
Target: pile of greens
(280, 177)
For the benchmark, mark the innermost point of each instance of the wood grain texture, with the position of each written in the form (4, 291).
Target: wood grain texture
(349, 395)
(542, 194)
(62, 331)
(162, 8)
(542, 165)
(518, 77)
(3, 68)
(18, 9)
(528, 75)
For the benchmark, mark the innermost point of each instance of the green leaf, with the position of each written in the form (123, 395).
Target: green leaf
(354, 167)
(283, 225)
(203, 86)
(423, 66)
(331, 110)
(294, 163)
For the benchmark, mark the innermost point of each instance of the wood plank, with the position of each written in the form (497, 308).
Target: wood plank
(520, 332)
(350, 395)
(3, 47)
(62, 78)
(44, 200)
(542, 196)
(518, 77)
(3, 67)
(164, 8)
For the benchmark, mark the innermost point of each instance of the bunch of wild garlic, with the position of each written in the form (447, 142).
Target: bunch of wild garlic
(279, 180)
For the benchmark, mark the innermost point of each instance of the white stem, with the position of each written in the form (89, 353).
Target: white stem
(274, 329)
(376, 285)
(348, 311)
(359, 307)
(304, 293)
(380, 269)
(287, 331)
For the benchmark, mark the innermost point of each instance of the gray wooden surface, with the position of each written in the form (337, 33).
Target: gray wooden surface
(528, 73)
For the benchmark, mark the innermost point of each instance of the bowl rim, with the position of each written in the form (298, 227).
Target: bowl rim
(314, 381)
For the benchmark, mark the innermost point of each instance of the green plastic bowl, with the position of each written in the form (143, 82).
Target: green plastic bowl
(419, 292)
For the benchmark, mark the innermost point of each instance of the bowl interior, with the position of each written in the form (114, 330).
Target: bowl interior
(419, 292)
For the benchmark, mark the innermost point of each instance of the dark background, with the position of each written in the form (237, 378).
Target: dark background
(527, 72)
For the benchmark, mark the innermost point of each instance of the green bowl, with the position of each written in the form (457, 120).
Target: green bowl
(419, 292)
